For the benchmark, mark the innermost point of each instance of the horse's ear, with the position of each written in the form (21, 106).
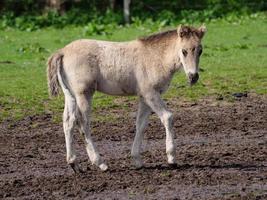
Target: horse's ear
(202, 30)
(182, 31)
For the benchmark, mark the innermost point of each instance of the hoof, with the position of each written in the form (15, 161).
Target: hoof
(138, 163)
(76, 168)
(173, 165)
(103, 167)
(171, 159)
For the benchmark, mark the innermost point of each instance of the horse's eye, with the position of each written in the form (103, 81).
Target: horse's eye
(184, 52)
(200, 52)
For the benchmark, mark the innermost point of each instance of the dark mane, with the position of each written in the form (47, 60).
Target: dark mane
(158, 36)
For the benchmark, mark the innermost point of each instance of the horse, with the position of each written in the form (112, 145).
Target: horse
(143, 67)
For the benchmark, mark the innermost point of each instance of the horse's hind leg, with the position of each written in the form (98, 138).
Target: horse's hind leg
(141, 122)
(84, 110)
(155, 102)
(69, 120)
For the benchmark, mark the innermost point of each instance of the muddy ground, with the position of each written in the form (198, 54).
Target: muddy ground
(221, 154)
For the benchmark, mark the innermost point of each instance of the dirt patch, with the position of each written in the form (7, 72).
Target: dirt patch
(221, 154)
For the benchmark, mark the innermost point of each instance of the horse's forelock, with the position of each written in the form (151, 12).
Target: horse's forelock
(189, 31)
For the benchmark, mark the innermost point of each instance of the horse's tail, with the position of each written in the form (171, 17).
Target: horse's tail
(54, 65)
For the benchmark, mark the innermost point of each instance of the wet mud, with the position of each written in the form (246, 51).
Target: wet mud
(221, 154)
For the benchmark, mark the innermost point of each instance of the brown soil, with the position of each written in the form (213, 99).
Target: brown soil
(221, 154)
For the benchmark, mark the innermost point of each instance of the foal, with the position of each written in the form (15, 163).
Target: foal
(143, 67)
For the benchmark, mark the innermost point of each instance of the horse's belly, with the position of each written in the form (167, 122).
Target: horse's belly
(115, 88)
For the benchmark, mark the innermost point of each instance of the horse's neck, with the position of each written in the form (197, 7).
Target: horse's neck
(163, 58)
(165, 48)
(170, 57)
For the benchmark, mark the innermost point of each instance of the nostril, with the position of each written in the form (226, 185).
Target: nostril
(196, 77)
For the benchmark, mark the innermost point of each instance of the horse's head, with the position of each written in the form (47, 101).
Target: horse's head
(190, 49)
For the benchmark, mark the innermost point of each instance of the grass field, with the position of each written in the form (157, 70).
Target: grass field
(221, 140)
(234, 60)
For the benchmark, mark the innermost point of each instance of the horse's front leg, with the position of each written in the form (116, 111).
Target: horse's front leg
(155, 102)
(84, 111)
(141, 122)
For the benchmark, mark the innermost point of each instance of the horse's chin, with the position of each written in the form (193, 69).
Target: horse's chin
(191, 83)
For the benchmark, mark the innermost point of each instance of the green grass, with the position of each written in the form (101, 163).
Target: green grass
(234, 60)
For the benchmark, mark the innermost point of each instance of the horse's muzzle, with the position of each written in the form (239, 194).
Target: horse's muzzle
(193, 78)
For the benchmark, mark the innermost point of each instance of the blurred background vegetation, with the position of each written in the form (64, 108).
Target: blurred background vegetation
(100, 16)
(31, 30)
